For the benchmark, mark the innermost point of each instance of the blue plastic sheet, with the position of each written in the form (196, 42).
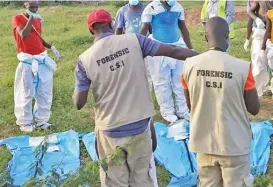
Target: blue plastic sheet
(62, 154)
(260, 147)
(174, 156)
(89, 142)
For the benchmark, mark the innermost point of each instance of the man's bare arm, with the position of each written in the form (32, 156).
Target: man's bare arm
(144, 29)
(267, 32)
(80, 99)
(187, 96)
(254, 8)
(45, 44)
(252, 101)
(25, 31)
(176, 52)
(185, 33)
(249, 28)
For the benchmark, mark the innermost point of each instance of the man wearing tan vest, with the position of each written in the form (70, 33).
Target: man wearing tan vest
(123, 104)
(220, 91)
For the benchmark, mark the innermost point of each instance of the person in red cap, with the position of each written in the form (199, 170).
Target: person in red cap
(123, 104)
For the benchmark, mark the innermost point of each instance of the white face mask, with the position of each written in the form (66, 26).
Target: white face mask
(133, 2)
(171, 2)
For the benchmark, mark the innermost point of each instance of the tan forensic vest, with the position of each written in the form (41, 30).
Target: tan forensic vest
(219, 118)
(116, 68)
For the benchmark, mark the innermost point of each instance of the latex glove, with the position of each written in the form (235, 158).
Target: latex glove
(246, 45)
(260, 24)
(34, 15)
(55, 52)
(37, 16)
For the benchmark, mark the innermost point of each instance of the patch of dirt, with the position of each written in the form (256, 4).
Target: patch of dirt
(193, 15)
(266, 111)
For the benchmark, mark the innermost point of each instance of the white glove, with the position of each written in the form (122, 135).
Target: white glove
(246, 45)
(260, 24)
(55, 52)
(37, 16)
(34, 15)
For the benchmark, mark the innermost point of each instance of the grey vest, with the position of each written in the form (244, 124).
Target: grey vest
(116, 69)
(219, 118)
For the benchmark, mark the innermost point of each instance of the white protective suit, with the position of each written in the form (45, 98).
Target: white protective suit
(259, 69)
(269, 49)
(166, 77)
(33, 80)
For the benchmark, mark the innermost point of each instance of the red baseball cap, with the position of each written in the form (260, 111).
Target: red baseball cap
(98, 16)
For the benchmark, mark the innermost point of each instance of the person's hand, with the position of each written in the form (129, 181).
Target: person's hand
(37, 16)
(30, 17)
(246, 44)
(55, 52)
(260, 24)
(34, 15)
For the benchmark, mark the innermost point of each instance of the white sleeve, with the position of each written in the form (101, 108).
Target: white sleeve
(146, 16)
(182, 15)
(178, 8)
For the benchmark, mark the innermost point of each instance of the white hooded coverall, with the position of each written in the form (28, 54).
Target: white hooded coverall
(33, 80)
(259, 69)
(166, 72)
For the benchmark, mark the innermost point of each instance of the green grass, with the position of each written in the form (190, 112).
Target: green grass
(66, 28)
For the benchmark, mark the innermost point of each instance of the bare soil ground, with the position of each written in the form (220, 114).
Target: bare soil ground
(193, 15)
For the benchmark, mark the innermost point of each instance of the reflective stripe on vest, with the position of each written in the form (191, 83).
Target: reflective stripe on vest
(221, 13)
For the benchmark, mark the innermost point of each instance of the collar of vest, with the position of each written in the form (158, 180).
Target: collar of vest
(102, 36)
(216, 49)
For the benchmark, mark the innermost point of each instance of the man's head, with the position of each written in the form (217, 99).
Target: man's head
(99, 22)
(134, 2)
(32, 5)
(217, 33)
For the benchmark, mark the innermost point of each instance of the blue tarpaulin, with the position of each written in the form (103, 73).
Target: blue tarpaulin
(174, 155)
(89, 142)
(260, 147)
(62, 154)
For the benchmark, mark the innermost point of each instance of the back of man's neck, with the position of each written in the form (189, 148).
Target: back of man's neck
(217, 48)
